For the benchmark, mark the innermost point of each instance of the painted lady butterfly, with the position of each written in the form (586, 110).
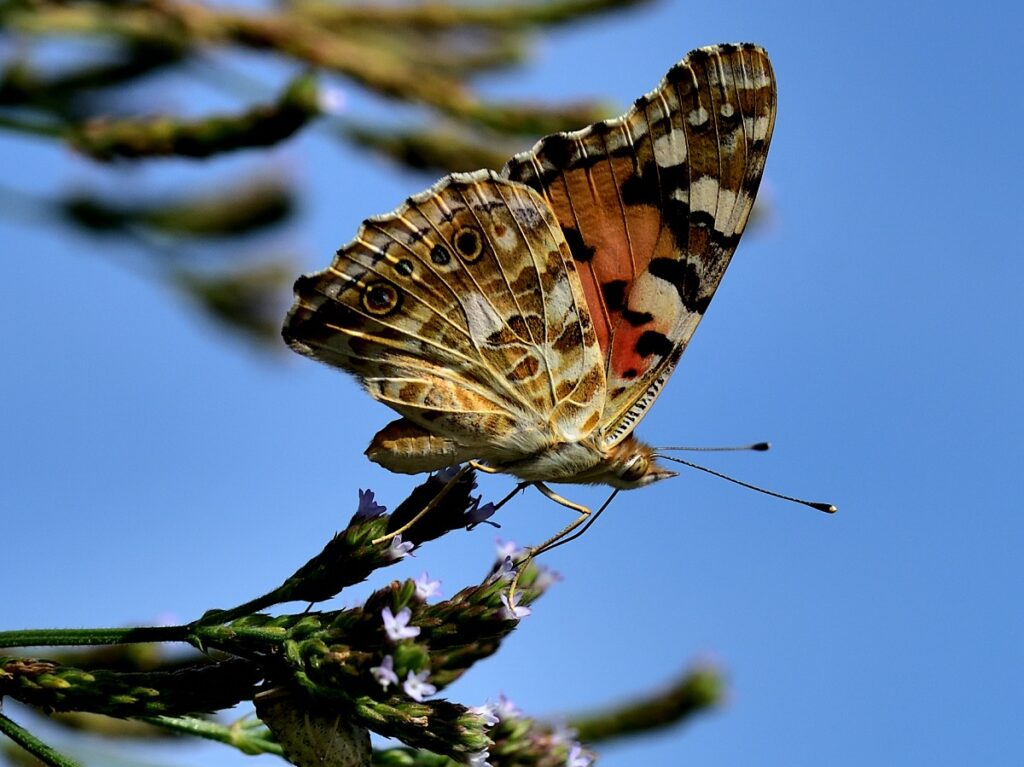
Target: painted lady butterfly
(528, 319)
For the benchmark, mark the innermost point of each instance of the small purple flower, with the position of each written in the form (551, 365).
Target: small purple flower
(368, 508)
(477, 514)
(563, 734)
(513, 611)
(545, 578)
(505, 709)
(577, 757)
(479, 759)
(506, 549)
(385, 672)
(426, 588)
(397, 626)
(417, 687)
(486, 713)
(399, 548)
(504, 571)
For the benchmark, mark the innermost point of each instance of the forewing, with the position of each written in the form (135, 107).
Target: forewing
(653, 204)
(462, 310)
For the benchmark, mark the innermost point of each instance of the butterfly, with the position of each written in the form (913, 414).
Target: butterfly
(525, 320)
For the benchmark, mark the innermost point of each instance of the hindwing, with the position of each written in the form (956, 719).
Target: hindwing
(462, 310)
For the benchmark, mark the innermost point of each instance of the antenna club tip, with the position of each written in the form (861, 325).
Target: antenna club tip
(762, 446)
(828, 508)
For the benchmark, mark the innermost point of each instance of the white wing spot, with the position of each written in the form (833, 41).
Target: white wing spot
(698, 116)
(758, 128)
(726, 205)
(480, 317)
(704, 194)
(669, 151)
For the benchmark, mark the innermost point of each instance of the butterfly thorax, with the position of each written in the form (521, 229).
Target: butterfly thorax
(627, 465)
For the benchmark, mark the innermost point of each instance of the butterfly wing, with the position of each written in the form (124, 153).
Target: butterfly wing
(652, 205)
(462, 310)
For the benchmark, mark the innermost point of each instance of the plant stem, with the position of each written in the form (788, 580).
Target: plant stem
(84, 637)
(33, 745)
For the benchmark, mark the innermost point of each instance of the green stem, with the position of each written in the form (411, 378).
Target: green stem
(33, 745)
(83, 637)
(239, 735)
(233, 639)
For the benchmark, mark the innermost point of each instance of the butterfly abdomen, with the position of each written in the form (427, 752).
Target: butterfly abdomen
(407, 448)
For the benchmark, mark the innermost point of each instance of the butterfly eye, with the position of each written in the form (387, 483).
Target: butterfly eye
(381, 298)
(635, 469)
(468, 244)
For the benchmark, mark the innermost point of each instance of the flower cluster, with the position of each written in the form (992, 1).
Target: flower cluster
(519, 740)
(378, 666)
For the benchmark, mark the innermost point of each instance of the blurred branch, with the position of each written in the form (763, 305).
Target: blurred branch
(695, 692)
(108, 139)
(388, 70)
(246, 206)
(445, 150)
(21, 84)
(248, 300)
(535, 119)
(172, 22)
(456, 55)
(446, 15)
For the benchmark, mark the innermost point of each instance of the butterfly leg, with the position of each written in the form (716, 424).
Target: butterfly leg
(514, 492)
(568, 533)
(491, 470)
(429, 507)
(563, 535)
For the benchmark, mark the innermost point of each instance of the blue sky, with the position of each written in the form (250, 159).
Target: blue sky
(151, 467)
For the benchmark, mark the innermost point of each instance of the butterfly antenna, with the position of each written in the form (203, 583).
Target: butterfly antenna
(758, 446)
(828, 508)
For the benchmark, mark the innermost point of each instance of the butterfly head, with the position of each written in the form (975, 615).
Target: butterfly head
(632, 464)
